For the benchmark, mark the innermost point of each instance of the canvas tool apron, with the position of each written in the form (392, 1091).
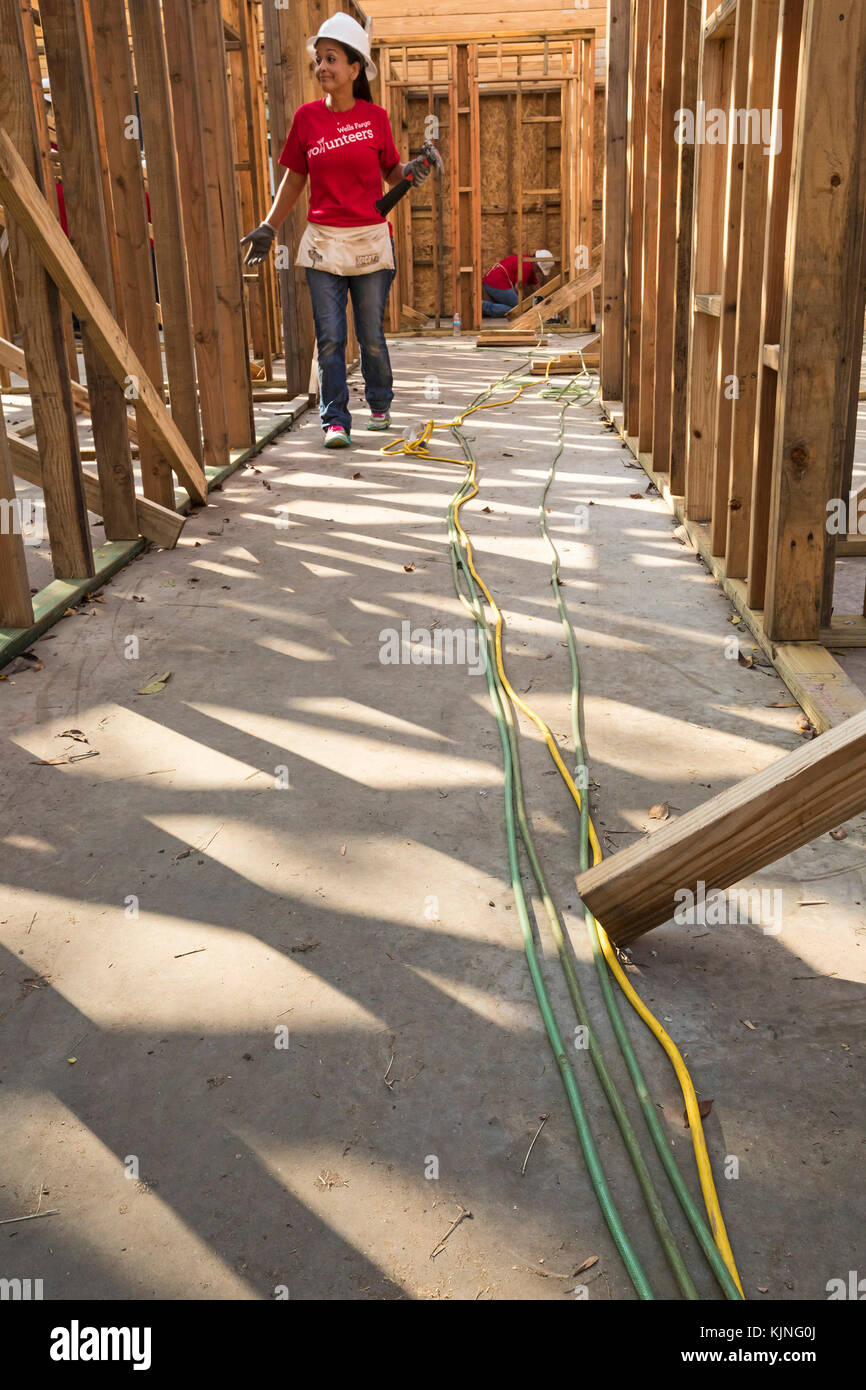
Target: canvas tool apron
(346, 250)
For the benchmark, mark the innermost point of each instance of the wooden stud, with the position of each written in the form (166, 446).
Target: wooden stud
(475, 165)
(682, 313)
(463, 155)
(223, 218)
(43, 141)
(259, 177)
(614, 197)
(41, 328)
(114, 91)
(707, 270)
(637, 121)
(155, 103)
(750, 277)
(784, 105)
(665, 274)
(192, 185)
(65, 42)
(822, 312)
(655, 68)
(730, 260)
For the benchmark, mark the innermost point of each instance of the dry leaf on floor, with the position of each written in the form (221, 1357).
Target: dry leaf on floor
(356, 475)
(704, 1108)
(410, 569)
(636, 495)
(745, 660)
(660, 811)
(840, 834)
(587, 1264)
(749, 1025)
(73, 733)
(487, 509)
(158, 683)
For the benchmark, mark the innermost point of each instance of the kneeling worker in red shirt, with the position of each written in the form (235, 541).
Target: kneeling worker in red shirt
(503, 285)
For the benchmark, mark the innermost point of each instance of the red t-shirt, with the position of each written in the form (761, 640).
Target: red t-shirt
(503, 276)
(345, 154)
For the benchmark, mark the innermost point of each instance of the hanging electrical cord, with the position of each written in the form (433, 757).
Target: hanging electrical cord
(419, 447)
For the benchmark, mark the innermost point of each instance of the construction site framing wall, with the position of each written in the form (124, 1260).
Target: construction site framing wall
(514, 121)
(733, 296)
(144, 128)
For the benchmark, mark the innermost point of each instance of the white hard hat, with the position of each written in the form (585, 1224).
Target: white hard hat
(347, 31)
(545, 262)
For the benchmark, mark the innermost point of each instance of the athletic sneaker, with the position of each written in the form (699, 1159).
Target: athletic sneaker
(379, 422)
(336, 437)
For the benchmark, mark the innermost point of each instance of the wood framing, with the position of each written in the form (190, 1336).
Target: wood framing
(65, 41)
(745, 828)
(533, 102)
(20, 194)
(759, 315)
(41, 317)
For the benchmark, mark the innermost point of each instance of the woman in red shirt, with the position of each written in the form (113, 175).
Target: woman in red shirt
(344, 144)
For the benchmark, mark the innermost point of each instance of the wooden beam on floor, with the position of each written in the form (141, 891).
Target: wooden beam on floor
(20, 194)
(738, 832)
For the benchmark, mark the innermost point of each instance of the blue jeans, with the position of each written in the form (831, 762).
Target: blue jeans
(369, 297)
(495, 302)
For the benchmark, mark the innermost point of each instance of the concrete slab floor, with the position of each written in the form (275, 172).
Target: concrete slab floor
(295, 842)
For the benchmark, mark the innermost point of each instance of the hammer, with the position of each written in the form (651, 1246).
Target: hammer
(432, 157)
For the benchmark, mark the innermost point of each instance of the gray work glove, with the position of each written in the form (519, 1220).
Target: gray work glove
(260, 242)
(418, 168)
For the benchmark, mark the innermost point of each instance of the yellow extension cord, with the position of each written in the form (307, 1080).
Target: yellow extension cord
(418, 449)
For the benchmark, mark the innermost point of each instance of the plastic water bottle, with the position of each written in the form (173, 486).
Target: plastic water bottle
(458, 325)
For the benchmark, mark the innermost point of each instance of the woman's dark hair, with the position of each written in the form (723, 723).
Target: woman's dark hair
(361, 87)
